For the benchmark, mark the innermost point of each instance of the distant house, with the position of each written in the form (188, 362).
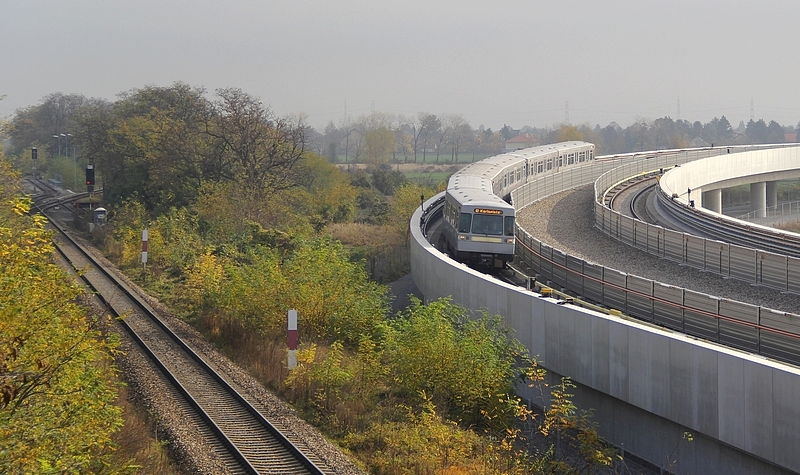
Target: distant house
(790, 138)
(521, 141)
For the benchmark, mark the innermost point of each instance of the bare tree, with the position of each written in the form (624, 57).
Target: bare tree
(462, 133)
(429, 126)
(264, 149)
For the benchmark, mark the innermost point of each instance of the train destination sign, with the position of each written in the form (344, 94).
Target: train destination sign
(488, 211)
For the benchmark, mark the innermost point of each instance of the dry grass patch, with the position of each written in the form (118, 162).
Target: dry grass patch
(139, 442)
(791, 227)
(369, 235)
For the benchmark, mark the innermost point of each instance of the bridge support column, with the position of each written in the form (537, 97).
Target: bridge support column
(712, 200)
(758, 199)
(772, 194)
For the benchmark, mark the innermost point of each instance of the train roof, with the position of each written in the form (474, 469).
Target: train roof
(491, 166)
(477, 197)
(473, 183)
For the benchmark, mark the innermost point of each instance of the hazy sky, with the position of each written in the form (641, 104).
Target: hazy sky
(503, 62)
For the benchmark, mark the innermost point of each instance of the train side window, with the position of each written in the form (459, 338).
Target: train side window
(466, 223)
(508, 225)
(540, 167)
(505, 181)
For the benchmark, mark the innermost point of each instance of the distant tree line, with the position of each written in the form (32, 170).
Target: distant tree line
(381, 138)
(217, 139)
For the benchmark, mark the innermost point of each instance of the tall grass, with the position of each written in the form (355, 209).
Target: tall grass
(139, 442)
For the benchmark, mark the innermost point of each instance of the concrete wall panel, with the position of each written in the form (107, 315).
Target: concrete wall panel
(731, 407)
(641, 368)
(786, 437)
(758, 415)
(583, 338)
(538, 342)
(619, 356)
(601, 373)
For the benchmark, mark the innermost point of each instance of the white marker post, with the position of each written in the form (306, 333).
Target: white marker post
(144, 248)
(291, 360)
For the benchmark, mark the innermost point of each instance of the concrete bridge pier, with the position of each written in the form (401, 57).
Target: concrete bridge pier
(758, 199)
(772, 194)
(712, 200)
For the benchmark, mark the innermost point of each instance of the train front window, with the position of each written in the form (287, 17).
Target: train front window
(466, 221)
(485, 224)
(508, 225)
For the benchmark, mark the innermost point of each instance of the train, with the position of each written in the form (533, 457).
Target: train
(478, 216)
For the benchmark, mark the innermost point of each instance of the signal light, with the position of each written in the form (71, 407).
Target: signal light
(90, 178)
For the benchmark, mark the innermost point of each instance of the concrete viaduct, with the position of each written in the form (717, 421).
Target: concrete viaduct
(647, 385)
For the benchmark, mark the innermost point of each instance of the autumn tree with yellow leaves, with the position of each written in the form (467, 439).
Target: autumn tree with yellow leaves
(56, 390)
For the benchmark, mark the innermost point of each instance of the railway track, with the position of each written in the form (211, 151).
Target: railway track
(234, 426)
(638, 204)
(739, 233)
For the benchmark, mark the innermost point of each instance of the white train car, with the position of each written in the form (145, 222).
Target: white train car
(478, 221)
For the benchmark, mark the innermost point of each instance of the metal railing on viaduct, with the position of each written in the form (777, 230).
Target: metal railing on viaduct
(648, 385)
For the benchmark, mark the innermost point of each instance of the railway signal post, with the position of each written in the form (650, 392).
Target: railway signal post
(144, 249)
(291, 357)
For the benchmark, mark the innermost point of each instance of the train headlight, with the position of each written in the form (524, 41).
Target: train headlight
(510, 240)
(463, 237)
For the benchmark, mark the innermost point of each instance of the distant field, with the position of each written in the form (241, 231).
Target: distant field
(429, 178)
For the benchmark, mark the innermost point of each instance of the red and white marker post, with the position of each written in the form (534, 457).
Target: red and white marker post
(291, 360)
(144, 248)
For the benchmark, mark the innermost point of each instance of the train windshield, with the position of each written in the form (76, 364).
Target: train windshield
(466, 222)
(487, 224)
(509, 225)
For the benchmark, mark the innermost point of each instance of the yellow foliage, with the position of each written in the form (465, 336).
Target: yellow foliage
(56, 394)
(203, 282)
(568, 133)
